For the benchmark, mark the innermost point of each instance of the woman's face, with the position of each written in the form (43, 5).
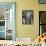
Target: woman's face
(28, 14)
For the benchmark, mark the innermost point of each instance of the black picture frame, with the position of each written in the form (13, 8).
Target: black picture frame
(42, 1)
(27, 17)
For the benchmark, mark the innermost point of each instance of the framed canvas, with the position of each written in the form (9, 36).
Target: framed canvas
(42, 1)
(27, 16)
(7, 20)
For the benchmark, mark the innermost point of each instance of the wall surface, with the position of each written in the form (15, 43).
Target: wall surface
(27, 31)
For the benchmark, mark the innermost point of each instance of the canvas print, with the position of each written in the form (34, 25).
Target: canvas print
(27, 16)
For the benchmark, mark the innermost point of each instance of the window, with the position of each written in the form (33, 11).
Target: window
(7, 21)
(42, 1)
(42, 22)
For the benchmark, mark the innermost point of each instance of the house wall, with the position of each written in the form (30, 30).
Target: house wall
(32, 30)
